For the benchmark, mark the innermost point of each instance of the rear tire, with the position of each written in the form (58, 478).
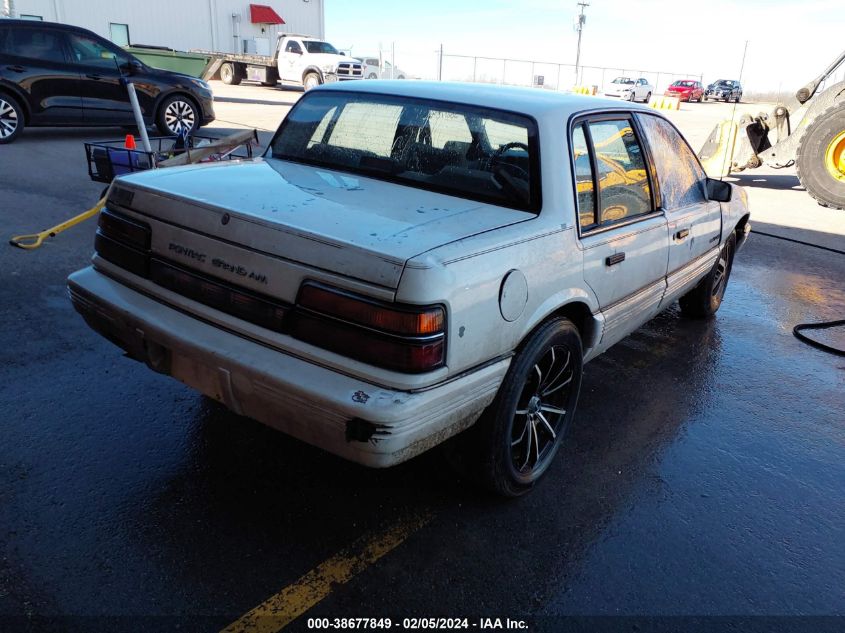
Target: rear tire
(705, 299)
(517, 437)
(11, 119)
(820, 159)
(229, 74)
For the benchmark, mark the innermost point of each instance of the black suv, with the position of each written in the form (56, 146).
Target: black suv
(725, 89)
(55, 74)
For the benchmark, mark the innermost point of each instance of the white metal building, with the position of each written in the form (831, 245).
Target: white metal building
(222, 25)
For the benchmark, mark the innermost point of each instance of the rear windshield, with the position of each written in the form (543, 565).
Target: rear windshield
(472, 152)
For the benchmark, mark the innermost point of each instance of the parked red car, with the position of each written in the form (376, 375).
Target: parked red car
(685, 90)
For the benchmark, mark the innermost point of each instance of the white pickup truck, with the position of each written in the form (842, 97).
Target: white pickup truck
(298, 59)
(405, 264)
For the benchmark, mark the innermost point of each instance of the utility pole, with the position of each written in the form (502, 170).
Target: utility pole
(440, 64)
(579, 26)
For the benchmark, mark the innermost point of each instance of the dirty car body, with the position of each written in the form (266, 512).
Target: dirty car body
(383, 278)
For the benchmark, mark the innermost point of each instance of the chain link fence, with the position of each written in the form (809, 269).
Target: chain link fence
(549, 75)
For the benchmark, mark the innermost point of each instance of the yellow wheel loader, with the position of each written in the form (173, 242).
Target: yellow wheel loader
(808, 131)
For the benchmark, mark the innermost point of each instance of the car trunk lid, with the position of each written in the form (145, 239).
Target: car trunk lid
(355, 226)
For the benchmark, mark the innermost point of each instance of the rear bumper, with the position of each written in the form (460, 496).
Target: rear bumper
(315, 404)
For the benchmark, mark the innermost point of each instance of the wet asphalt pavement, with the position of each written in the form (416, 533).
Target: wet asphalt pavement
(704, 475)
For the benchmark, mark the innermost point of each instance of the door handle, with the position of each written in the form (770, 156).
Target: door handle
(614, 259)
(94, 76)
(16, 69)
(682, 234)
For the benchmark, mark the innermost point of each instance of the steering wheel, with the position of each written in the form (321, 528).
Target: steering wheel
(495, 159)
(513, 145)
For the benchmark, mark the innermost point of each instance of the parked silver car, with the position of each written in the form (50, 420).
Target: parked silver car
(410, 261)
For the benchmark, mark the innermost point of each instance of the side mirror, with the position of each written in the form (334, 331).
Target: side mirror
(718, 190)
(132, 67)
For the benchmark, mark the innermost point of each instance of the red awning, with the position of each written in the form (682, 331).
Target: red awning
(262, 14)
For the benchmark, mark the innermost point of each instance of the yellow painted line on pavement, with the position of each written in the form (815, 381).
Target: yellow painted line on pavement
(278, 611)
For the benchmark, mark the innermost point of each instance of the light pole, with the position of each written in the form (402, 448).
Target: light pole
(579, 26)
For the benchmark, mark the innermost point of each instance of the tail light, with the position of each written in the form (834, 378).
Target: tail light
(124, 242)
(403, 338)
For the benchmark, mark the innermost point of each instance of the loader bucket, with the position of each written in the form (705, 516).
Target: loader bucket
(717, 153)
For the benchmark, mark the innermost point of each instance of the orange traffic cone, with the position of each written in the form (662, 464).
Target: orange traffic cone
(130, 141)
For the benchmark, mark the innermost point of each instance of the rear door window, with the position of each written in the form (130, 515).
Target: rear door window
(583, 179)
(40, 44)
(623, 186)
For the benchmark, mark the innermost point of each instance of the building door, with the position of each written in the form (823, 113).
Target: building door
(119, 34)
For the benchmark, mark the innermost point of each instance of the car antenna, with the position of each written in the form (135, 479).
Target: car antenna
(733, 112)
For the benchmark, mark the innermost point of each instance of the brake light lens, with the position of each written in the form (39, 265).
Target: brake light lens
(409, 339)
(124, 229)
(403, 322)
(124, 242)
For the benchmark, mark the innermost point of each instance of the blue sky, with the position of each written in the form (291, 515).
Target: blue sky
(682, 36)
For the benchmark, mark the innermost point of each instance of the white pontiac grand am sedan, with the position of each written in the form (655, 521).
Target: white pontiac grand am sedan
(409, 261)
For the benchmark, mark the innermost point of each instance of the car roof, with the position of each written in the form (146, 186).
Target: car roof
(530, 101)
(41, 23)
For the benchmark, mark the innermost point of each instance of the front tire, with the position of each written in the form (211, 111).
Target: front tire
(177, 115)
(705, 299)
(11, 119)
(520, 433)
(820, 159)
(647, 98)
(311, 80)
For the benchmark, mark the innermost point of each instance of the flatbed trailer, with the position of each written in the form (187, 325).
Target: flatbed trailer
(297, 59)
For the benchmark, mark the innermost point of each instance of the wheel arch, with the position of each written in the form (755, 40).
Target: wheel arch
(315, 70)
(741, 230)
(17, 96)
(577, 309)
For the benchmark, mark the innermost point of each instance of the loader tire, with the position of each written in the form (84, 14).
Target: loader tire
(820, 159)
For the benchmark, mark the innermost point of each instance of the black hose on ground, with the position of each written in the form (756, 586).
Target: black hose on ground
(823, 325)
(818, 326)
